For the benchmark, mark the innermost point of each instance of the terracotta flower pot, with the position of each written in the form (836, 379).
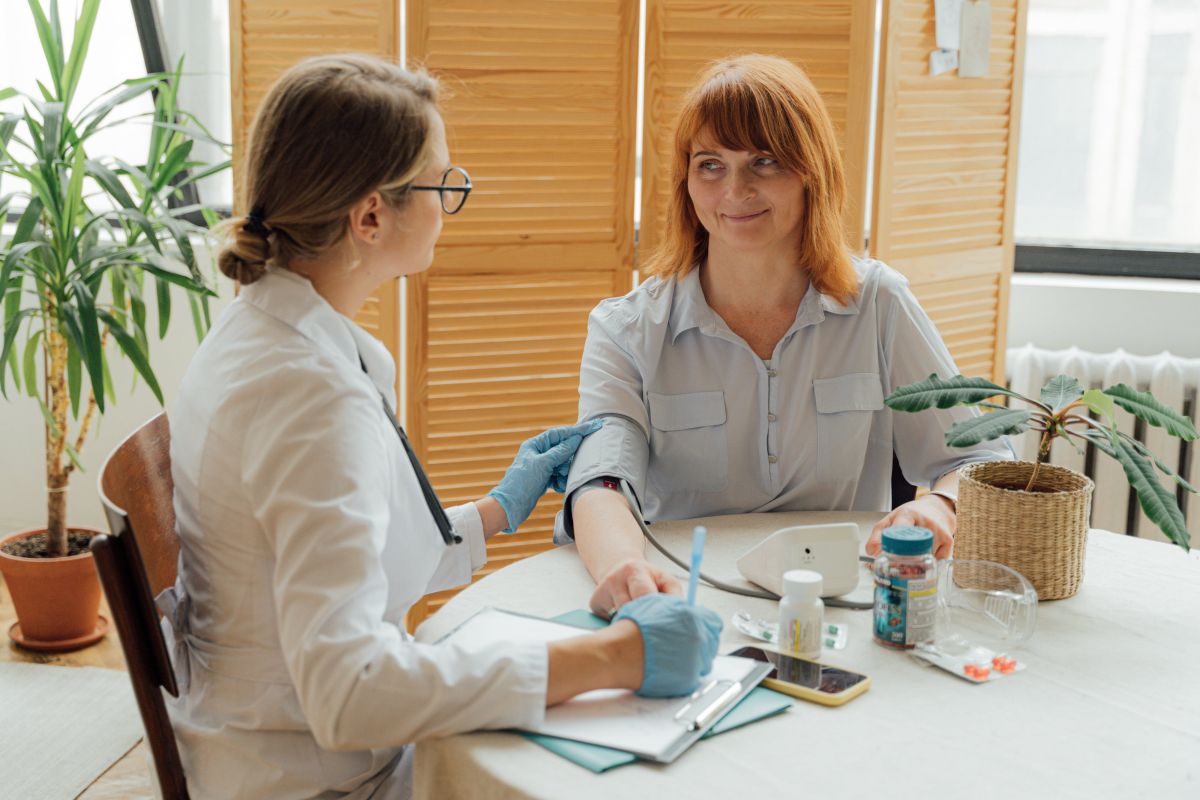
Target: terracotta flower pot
(57, 599)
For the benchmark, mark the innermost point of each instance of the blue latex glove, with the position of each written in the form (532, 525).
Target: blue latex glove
(542, 462)
(679, 641)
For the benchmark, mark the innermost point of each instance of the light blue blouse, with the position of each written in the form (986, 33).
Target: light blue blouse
(700, 425)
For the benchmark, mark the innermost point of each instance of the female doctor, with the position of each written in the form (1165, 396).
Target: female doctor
(748, 373)
(307, 526)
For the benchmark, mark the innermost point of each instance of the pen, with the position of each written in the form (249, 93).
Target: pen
(698, 534)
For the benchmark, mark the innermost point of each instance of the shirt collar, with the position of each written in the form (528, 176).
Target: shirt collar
(689, 308)
(291, 299)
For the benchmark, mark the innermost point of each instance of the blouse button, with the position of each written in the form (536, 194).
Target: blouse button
(771, 373)
(771, 417)
(772, 458)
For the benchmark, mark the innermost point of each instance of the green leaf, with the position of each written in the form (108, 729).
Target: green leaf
(134, 353)
(80, 41)
(198, 316)
(95, 113)
(1155, 499)
(1158, 462)
(89, 328)
(163, 288)
(1061, 391)
(200, 175)
(173, 163)
(51, 425)
(1101, 405)
(52, 119)
(71, 454)
(945, 393)
(111, 184)
(13, 369)
(73, 201)
(28, 220)
(51, 45)
(109, 392)
(12, 327)
(74, 379)
(1101, 439)
(30, 363)
(7, 92)
(160, 266)
(1144, 406)
(986, 427)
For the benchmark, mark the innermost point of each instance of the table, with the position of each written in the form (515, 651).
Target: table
(127, 779)
(1108, 706)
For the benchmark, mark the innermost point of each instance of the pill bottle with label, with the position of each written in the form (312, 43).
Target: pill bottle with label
(801, 614)
(905, 588)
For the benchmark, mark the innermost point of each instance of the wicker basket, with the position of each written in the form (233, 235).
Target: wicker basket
(1040, 533)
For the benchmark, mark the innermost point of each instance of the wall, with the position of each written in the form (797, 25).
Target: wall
(22, 450)
(1143, 316)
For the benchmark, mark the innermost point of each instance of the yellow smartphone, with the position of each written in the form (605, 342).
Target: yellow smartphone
(808, 680)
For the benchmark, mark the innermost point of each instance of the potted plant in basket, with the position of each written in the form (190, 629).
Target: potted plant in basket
(94, 236)
(1033, 516)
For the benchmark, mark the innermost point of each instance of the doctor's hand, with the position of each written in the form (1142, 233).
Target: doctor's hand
(932, 512)
(541, 462)
(628, 580)
(679, 643)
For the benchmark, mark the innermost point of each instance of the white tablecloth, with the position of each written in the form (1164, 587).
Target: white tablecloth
(1108, 706)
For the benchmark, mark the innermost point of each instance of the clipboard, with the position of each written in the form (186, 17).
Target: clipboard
(655, 729)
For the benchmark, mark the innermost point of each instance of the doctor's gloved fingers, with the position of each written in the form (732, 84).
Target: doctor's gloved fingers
(679, 642)
(559, 456)
(552, 436)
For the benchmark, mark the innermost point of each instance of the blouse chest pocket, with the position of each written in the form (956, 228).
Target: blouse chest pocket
(688, 444)
(845, 410)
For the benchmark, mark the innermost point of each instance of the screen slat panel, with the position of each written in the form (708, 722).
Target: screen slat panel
(831, 39)
(540, 104)
(269, 36)
(945, 178)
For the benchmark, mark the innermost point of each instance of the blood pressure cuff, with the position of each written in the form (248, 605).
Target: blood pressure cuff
(619, 450)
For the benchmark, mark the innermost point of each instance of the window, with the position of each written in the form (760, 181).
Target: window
(198, 30)
(1111, 106)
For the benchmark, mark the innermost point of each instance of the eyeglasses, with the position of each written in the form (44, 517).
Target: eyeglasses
(456, 185)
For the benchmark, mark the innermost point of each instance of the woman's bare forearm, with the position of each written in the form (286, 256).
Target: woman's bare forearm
(605, 531)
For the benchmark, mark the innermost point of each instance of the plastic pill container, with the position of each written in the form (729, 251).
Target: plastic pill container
(906, 583)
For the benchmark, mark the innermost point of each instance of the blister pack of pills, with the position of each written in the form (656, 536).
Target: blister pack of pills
(833, 636)
(977, 665)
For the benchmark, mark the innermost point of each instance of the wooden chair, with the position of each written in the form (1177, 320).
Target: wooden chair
(136, 562)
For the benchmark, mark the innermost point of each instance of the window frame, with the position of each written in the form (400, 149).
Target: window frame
(1107, 261)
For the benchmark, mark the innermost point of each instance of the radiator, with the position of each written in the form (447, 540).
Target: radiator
(1171, 379)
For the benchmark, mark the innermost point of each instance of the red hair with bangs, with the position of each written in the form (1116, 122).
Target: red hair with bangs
(763, 104)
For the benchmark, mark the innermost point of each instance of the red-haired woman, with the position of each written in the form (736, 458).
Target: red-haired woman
(748, 373)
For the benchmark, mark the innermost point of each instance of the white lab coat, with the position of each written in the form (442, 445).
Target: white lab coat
(304, 541)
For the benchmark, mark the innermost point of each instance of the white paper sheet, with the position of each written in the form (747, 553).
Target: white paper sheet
(975, 39)
(941, 61)
(947, 23)
(615, 718)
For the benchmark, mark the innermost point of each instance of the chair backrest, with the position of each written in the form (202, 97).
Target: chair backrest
(136, 562)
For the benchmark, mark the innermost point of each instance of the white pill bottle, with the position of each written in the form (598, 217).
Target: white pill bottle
(801, 614)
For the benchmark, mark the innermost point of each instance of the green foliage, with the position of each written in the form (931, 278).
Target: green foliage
(1057, 413)
(95, 230)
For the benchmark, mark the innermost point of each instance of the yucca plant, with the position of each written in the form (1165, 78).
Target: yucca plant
(1061, 412)
(95, 235)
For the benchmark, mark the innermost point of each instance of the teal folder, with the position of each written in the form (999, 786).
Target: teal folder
(758, 704)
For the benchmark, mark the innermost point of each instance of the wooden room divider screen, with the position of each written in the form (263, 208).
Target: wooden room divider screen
(268, 36)
(945, 178)
(832, 40)
(540, 103)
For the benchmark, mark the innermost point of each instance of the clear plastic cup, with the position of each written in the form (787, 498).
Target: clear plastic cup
(983, 607)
